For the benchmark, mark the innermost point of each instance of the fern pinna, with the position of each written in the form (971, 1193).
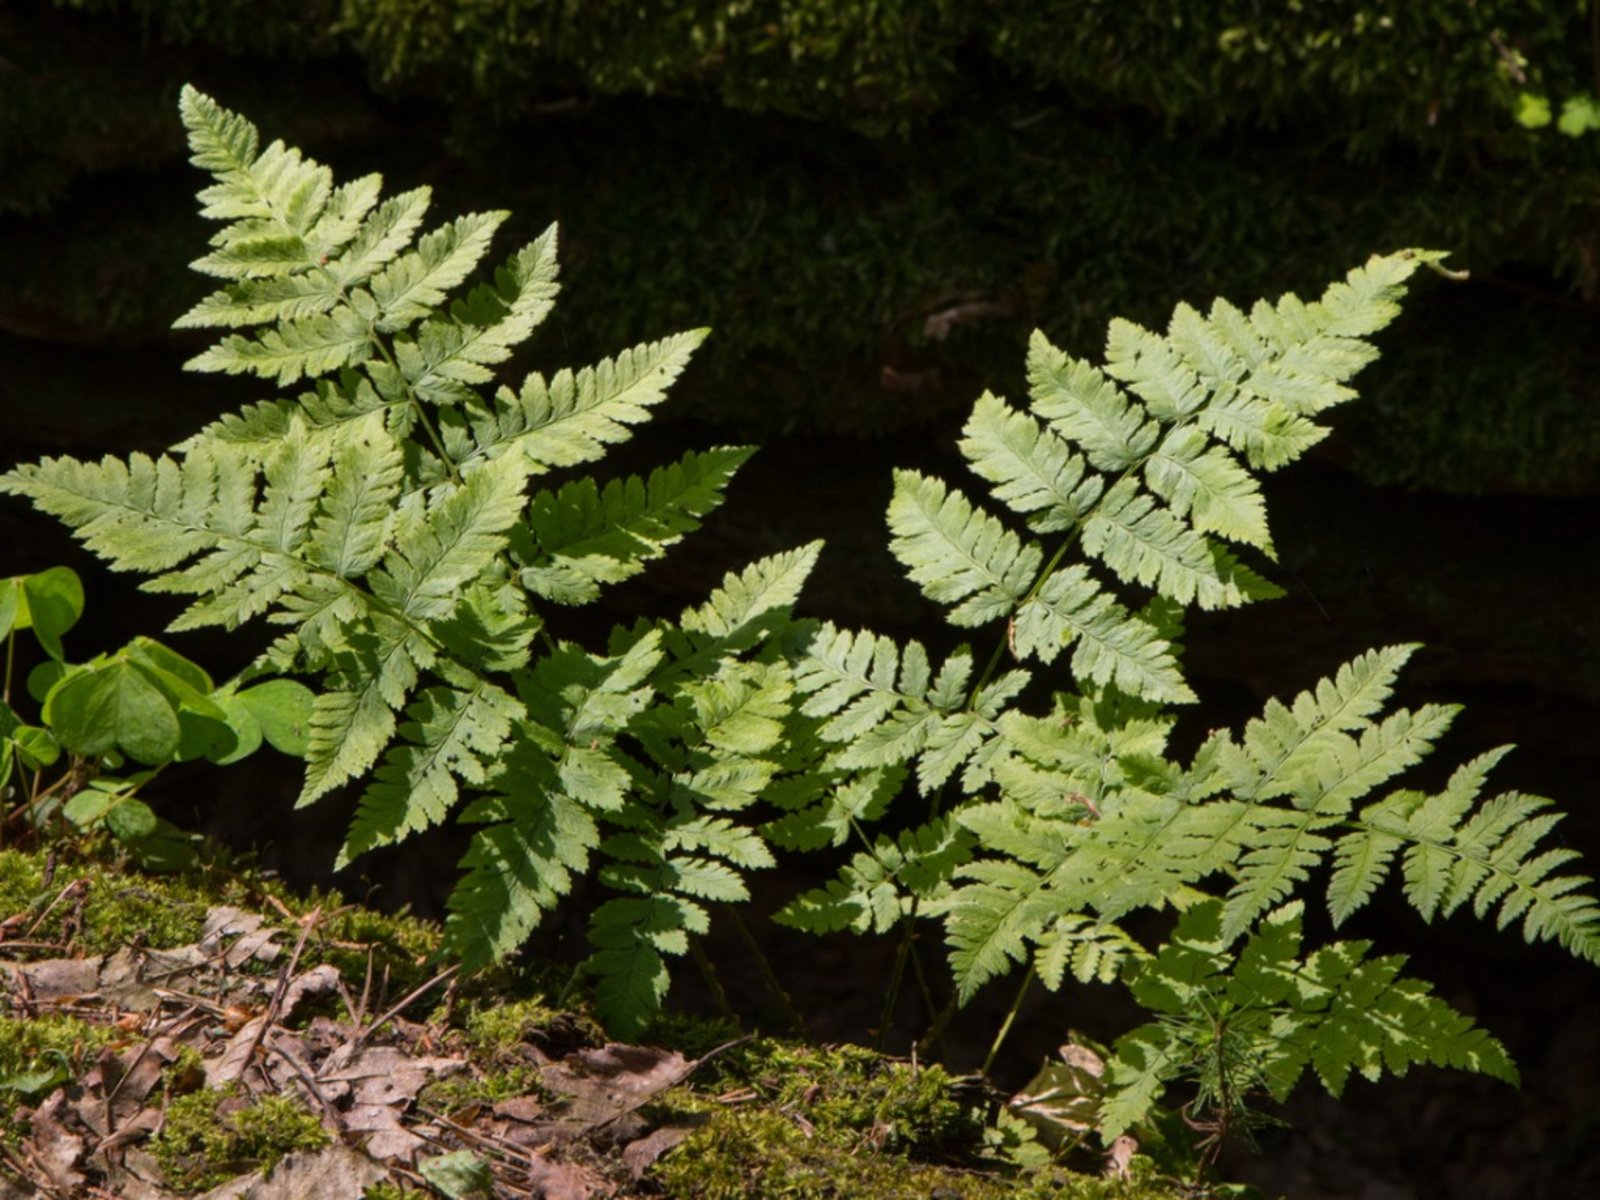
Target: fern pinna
(382, 517)
(1137, 483)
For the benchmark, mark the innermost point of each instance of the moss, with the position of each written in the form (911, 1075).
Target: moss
(496, 1028)
(44, 1045)
(853, 1097)
(204, 1141)
(470, 1089)
(755, 1154)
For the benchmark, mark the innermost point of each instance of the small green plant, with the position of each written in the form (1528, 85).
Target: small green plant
(1047, 829)
(382, 519)
(143, 706)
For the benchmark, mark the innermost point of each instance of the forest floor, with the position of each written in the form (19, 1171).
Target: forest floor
(212, 1034)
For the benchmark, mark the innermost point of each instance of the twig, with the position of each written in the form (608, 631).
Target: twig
(275, 1005)
(405, 1002)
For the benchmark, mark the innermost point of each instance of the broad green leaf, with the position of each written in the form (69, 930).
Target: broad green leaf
(52, 604)
(282, 707)
(113, 705)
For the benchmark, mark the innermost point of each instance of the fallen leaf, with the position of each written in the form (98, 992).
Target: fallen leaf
(639, 1156)
(335, 1172)
(557, 1180)
(57, 1150)
(254, 937)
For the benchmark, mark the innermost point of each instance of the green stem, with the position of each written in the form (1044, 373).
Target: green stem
(1005, 1026)
(417, 407)
(709, 974)
(796, 1023)
(11, 654)
(935, 1034)
(891, 997)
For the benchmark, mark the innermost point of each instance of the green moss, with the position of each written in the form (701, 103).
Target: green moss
(757, 1154)
(853, 1097)
(495, 1028)
(204, 1142)
(469, 1089)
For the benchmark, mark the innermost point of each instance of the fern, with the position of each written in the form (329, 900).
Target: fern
(1255, 1021)
(382, 519)
(1143, 475)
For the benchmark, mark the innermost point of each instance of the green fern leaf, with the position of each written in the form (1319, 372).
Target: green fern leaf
(1154, 371)
(309, 346)
(1113, 647)
(584, 537)
(1085, 407)
(352, 524)
(738, 612)
(957, 554)
(439, 551)
(446, 355)
(1206, 484)
(1287, 741)
(1033, 470)
(518, 866)
(573, 418)
(1147, 545)
(417, 282)
(453, 733)
(1094, 951)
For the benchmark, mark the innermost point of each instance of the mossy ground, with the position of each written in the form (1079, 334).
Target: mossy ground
(777, 1119)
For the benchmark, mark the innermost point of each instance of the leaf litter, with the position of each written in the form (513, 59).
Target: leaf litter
(232, 1007)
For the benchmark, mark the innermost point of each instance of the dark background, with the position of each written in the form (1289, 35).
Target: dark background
(815, 181)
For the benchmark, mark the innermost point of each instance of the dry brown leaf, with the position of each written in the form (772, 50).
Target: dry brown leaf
(57, 979)
(57, 1151)
(254, 937)
(639, 1156)
(559, 1181)
(1119, 1156)
(335, 1171)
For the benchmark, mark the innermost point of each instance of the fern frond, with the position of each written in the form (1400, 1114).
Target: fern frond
(454, 733)
(447, 355)
(454, 541)
(584, 537)
(1283, 743)
(958, 554)
(1261, 1017)
(1033, 471)
(353, 520)
(1094, 951)
(1206, 484)
(990, 920)
(533, 842)
(1113, 647)
(1088, 409)
(572, 418)
(1491, 859)
(1146, 544)
(412, 285)
(308, 346)
(739, 612)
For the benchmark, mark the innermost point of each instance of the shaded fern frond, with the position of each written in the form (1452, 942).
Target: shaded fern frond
(1258, 1019)
(583, 537)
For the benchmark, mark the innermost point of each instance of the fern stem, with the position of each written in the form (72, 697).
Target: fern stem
(709, 973)
(1005, 1026)
(935, 1033)
(796, 1022)
(891, 997)
(417, 407)
(927, 999)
